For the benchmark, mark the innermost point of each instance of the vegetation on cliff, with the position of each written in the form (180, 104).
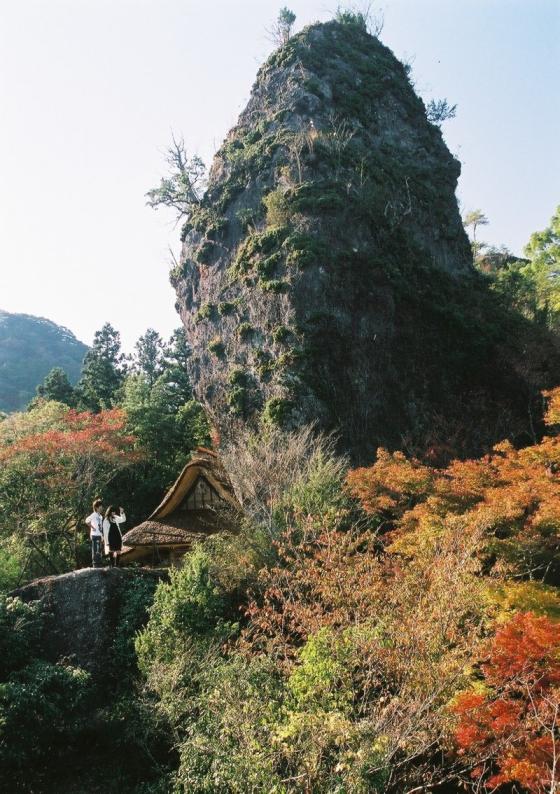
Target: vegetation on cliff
(391, 627)
(325, 273)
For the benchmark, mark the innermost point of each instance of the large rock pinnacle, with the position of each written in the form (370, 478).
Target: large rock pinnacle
(326, 274)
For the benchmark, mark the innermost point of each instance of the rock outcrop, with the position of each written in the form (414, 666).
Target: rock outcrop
(326, 274)
(83, 612)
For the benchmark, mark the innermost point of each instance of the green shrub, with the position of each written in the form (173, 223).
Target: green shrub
(277, 411)
(245, 331)
(248, 216)
(205, 253)
(189, 605)
(238, 399)
(278, 212)
(43, 708)
(225, 308)
(20, 632)
(206, 312)
(275, 285)
(239, 377)
(136, 599)
(217, 347)
(281, 333)
(266, 267)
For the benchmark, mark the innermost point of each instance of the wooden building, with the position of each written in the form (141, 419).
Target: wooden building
(200, 503)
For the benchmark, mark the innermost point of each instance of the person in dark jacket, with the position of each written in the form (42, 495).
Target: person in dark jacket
(112, 534)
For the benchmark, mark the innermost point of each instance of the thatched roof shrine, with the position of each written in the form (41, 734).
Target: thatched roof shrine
(201, 502)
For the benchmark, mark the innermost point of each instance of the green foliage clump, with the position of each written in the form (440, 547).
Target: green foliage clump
(239, 377)
(266, 267)
(41, 704)
(190, 604)
(248, 217)
(264, 364)
(305, 249)
(217, 347)
(239, 400)
(42, 712)
(20, 633)
(206, 312)
(274, 285)
(225, 308)
(206, 253)
(277, 411)
(245, 331)
(258, 243)
(239, 394)
(278, 210)
(281, 333)
(320, 196)
(136, 598)
(352, 18)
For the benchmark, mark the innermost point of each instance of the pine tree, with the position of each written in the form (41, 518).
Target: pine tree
(150, 356)
(103, 370)
(56, 386)
(178, 354)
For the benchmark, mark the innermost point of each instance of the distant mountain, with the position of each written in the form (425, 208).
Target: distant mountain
(29, 348)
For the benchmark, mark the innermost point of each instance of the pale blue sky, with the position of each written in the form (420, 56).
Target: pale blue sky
(91, 89)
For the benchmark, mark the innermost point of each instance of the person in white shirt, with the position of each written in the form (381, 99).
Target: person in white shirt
(95, 524)
(112, 534)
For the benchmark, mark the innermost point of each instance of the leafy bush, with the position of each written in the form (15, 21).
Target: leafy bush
(277, 411)
(278, 211)
(42, 711)
(245, 330)
(20, 632)
(206, 312)
(217, 347)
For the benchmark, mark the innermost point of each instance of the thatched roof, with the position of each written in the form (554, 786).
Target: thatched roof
(183, 529)
(169, 526)
(206, 463)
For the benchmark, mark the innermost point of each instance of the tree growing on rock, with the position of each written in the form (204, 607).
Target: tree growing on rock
(184, 187)
(282, 29)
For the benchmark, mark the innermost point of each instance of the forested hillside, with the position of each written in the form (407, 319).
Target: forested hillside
(29, 348)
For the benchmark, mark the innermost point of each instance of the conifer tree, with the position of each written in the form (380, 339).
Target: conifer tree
(103, 370)
(150, 356)
(56, 386)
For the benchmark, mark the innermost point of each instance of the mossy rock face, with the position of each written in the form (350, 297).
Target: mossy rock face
(331, 211)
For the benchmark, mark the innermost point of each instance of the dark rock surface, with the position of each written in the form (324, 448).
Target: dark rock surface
(82, 609)
(326, 275)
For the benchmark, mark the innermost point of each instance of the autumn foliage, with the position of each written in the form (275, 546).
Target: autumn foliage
(511, 724)
(53, 462)
(512, 496)
(509, 501)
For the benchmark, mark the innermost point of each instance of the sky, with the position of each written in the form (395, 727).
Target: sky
(92, 90)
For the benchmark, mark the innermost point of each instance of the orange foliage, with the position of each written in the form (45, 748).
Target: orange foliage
(329, 578)
(82, 433)
(514, 495)
(516, 721)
